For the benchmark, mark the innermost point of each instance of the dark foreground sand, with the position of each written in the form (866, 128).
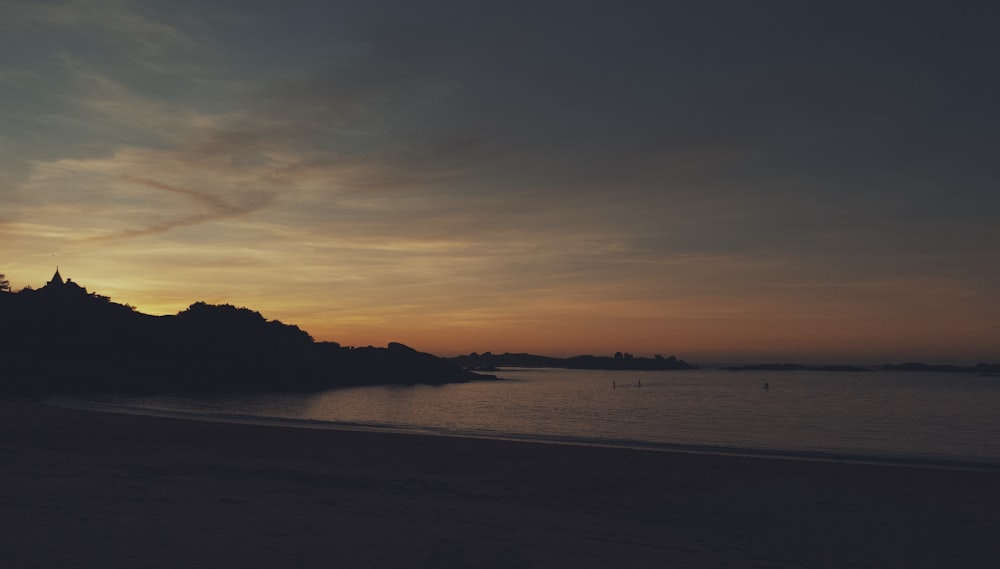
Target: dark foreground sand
(87, 489)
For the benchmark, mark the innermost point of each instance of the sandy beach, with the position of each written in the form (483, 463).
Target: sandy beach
(87, 489)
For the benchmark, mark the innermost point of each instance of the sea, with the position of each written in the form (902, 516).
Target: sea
(947, 420)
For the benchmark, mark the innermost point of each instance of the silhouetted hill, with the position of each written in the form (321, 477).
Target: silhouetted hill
(63, 339)
(488, 361)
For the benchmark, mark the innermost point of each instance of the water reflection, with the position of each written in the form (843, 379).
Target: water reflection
(892, 413)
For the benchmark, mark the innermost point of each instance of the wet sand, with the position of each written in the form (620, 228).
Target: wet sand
(87, 489)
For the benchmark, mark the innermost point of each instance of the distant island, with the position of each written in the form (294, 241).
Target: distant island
(62, 339)
(984, 368)
(797, 367)
(620, 361)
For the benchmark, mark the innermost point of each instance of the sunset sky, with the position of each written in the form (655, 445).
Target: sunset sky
(722, 181)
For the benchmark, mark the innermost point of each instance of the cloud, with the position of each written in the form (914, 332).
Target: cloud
(507, 163)
(110, 197)
(219, 209)
(215, 203)
(118, 20)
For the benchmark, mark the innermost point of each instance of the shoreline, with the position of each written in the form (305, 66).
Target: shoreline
(901, 461)
(85, 488)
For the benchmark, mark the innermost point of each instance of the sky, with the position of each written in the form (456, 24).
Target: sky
(723, 181)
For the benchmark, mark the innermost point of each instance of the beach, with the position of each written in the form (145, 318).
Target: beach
(87, 489)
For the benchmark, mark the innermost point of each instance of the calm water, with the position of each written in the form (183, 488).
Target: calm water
(894, 416)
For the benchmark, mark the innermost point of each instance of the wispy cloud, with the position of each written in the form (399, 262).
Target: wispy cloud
(219, 209)
(117, 19)
(646, 173)
(220, 206)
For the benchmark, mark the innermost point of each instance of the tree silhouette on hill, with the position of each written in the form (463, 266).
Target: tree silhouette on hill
(61, 338)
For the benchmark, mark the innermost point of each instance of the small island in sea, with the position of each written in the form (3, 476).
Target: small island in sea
(983, 368)
(488, 361)
(62, 339)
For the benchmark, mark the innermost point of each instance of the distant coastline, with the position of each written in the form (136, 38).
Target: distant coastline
(62, 339)
(488, 361)
(983, 368)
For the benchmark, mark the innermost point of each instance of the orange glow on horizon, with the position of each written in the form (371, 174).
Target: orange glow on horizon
(369, 193)
(753, 329)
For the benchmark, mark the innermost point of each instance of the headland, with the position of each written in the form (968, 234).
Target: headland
(62, 339)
